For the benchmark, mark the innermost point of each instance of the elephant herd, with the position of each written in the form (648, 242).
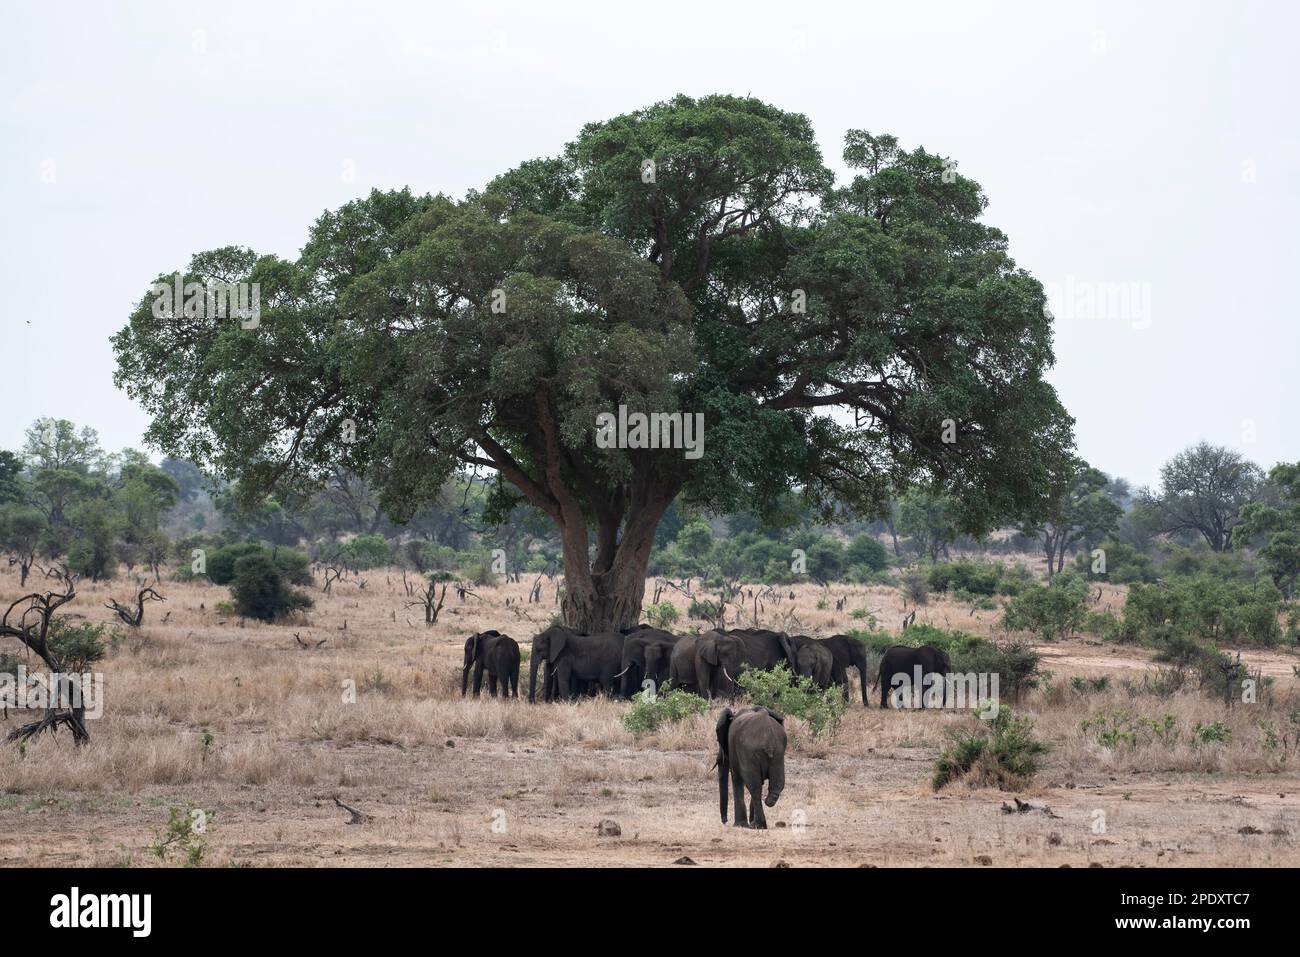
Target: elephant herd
(620, 663)
(752, 741)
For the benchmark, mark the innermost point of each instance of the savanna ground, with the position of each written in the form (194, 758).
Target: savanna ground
(236, 718)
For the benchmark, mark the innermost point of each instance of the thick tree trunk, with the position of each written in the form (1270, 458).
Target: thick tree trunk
(608, 593)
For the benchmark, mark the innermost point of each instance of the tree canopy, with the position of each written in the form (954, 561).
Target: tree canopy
(695, 256)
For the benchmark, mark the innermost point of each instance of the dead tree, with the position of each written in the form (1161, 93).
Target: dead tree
(134, 618)
(32, 629)
(431, 600)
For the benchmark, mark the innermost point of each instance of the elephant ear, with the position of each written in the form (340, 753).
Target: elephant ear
(780, 718)
(558, 641)
(709, 651)
(787, 646)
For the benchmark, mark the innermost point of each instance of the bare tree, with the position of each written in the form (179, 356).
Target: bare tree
(32, 629)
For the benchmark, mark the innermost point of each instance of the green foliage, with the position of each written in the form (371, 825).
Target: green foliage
(1213, 733)
(1279, 527)
(1204, 608)
(261, 590)
(574, 280)
(77, 645)
(1053, 611)
(866, 551)
(1001, 752)
(975, 578)
(788, 694)
(221, 562)
(1124, 564)
(663, 615)
(185, 832)
(367, 551)
(650, 710)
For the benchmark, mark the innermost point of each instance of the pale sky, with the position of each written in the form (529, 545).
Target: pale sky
(1145, 156)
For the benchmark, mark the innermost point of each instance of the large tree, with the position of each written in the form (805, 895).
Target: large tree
(1203, 490)
(694, 256)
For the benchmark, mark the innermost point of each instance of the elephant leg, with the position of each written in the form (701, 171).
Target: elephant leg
(478, 678)
(563, 681)
(492, 684)
(738, 792)
(756, 817)
(884, 695)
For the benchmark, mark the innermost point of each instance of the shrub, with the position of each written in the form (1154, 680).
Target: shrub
(1053, 611)
(1016, 663)
(783, 692)
(915, 587)
(260, 589)
(367, 551)
(1005, 754)
(1205, 607)
(650, 710)
(79, 644)
(866, 551)
(973, 578)
(662, 615)
(1124, 564)
(293, 565)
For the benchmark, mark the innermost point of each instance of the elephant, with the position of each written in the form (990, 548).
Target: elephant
(571, 657)
(813, 660)
(765, 649)
(498, 655)
(848, 652)
(903, 660)
(751, 747)
(646, 653)
(707, 664)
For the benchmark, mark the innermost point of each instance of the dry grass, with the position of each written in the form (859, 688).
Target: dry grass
(496, 782)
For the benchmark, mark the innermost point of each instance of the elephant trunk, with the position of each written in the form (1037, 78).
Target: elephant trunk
(722, 784)
(775, 782)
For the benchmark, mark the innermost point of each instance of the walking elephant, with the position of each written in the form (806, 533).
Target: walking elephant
(812, 659)
(646, 655)
(911, 667)
(751, 748)
(496, 654)
(848, 653)
(707, 664)
(765, 649)
(572, 656)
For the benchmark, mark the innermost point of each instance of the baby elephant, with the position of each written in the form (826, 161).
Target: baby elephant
(498, 655)
(751, 745)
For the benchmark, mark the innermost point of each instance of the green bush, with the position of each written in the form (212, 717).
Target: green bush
(367, 551)
(1052, 611)
(1124, 564)
(866, 551)
(650, 710)
(79, 644)
(260, 590)
(662, 615)
(974, 578)
(293, 565)
(1205, 607)
(1004, 754)
(787, 694)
